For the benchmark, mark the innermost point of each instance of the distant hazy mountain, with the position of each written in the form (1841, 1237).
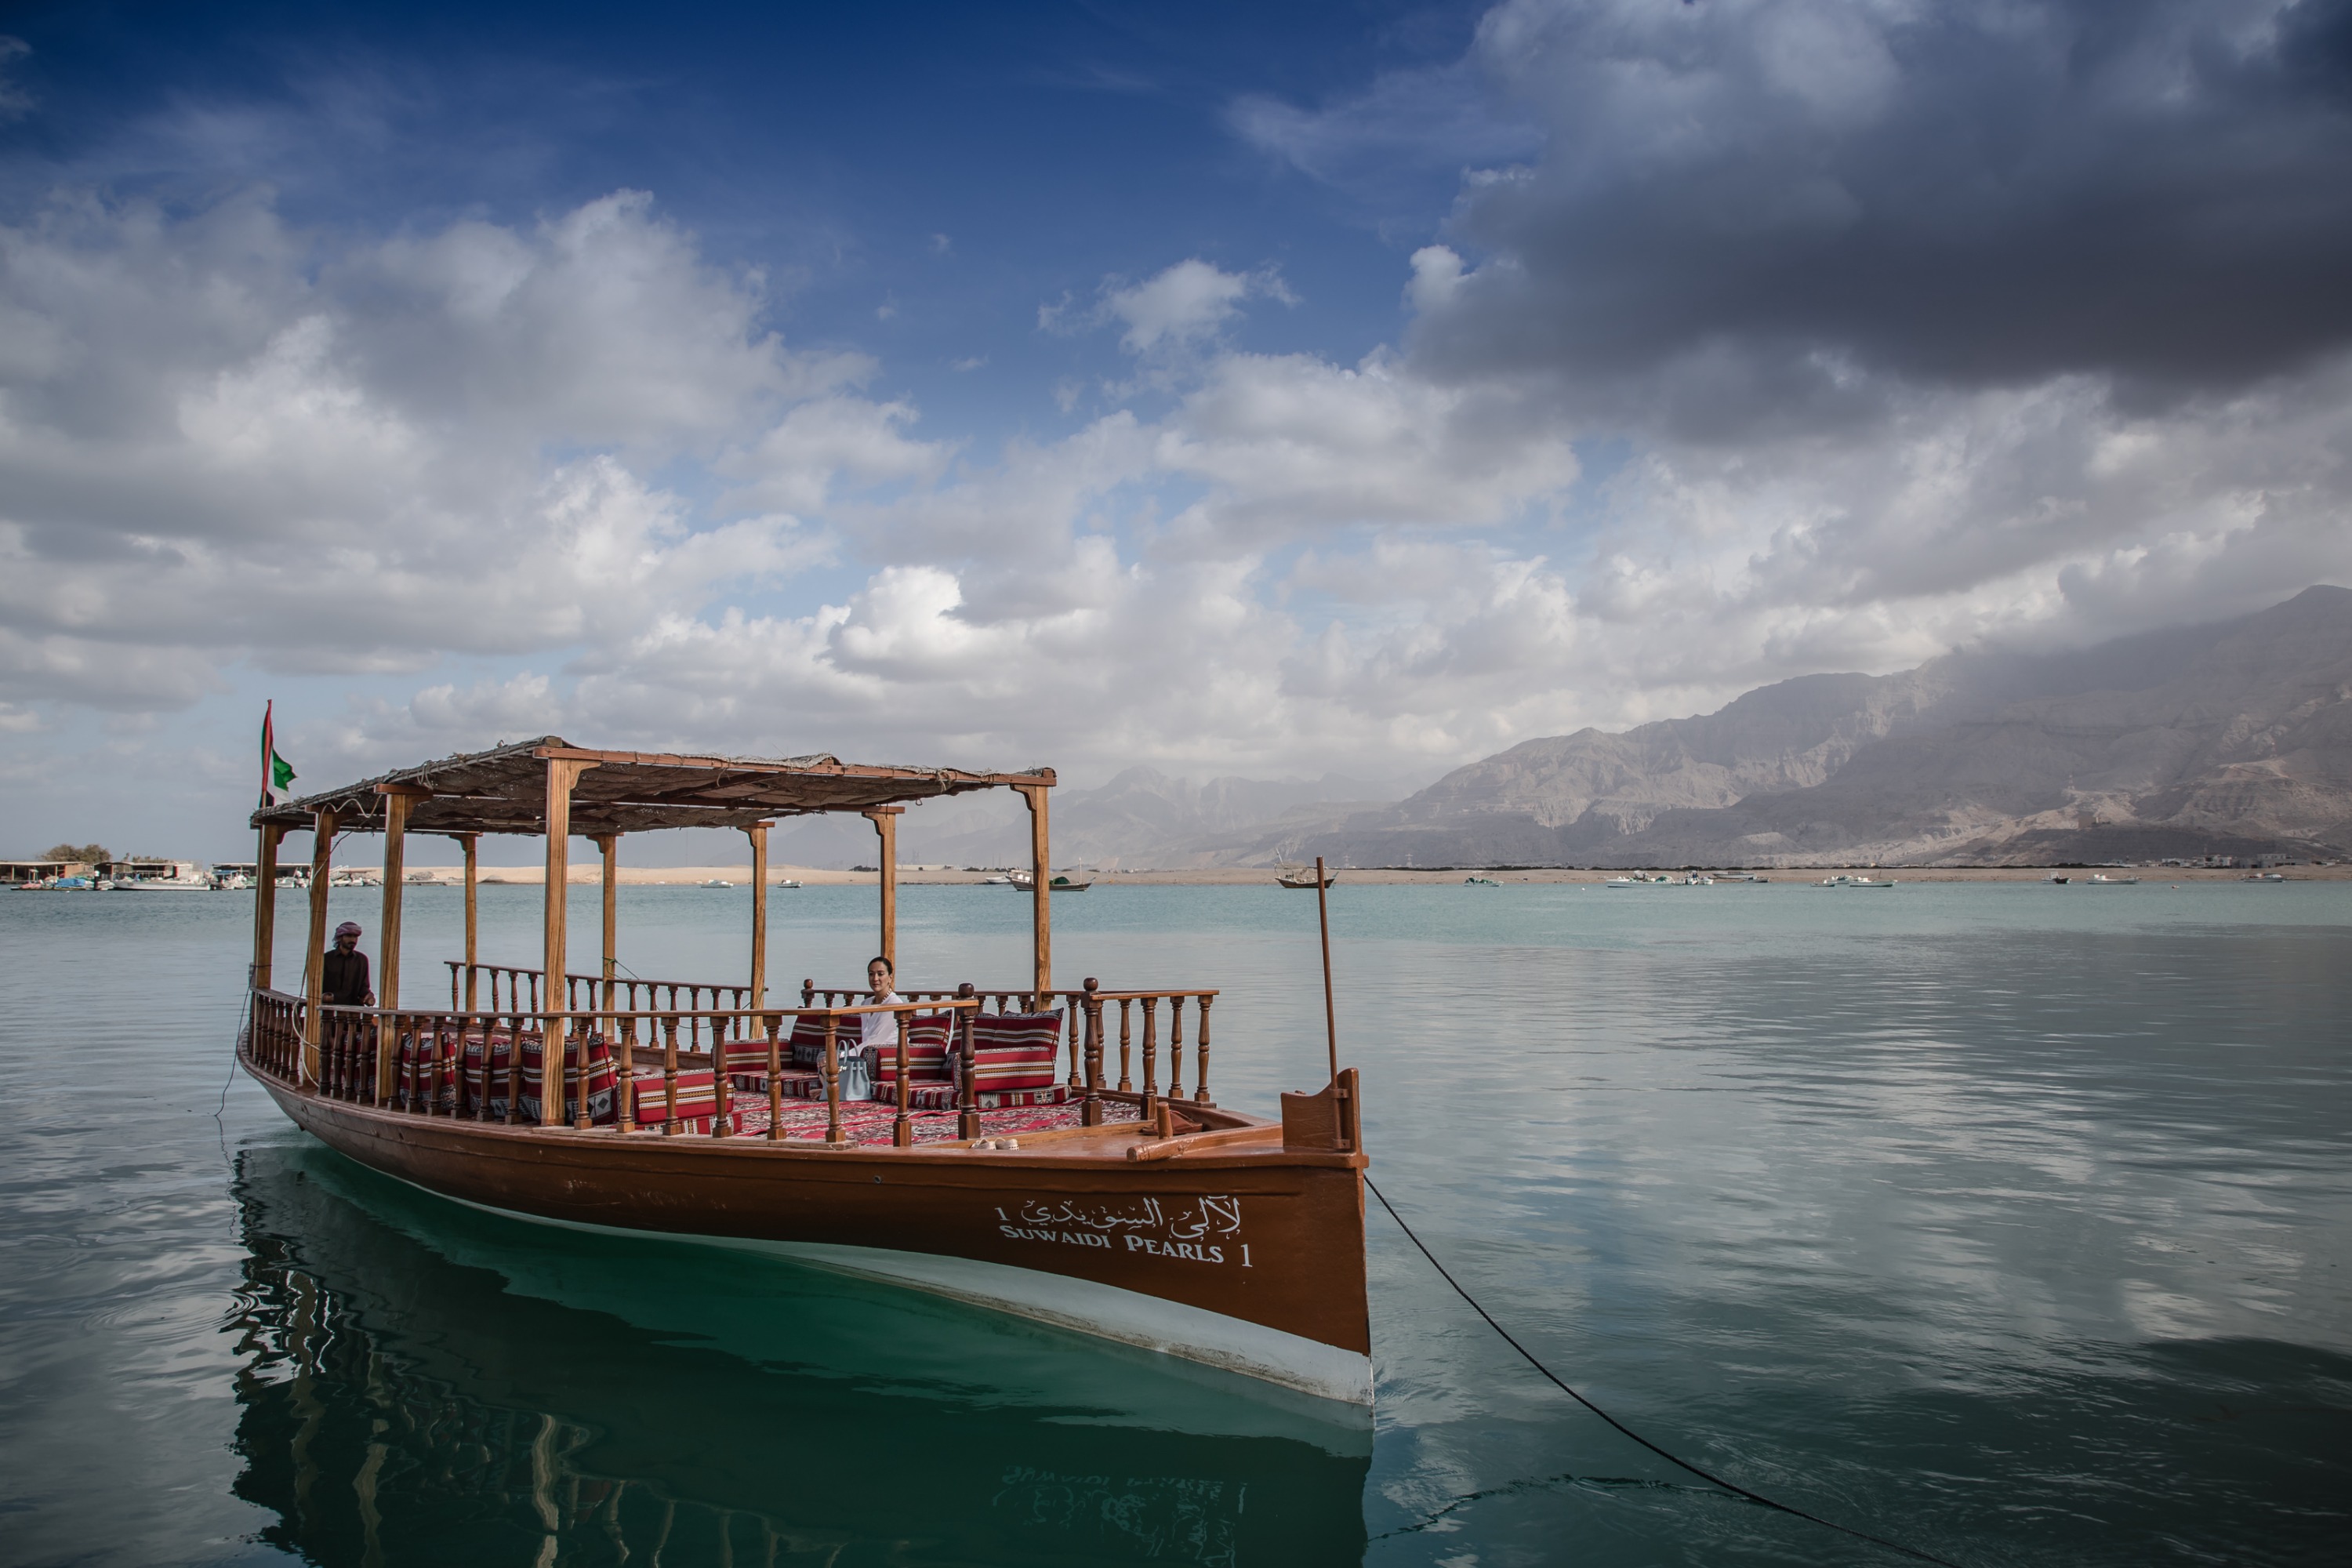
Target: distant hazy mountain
(2230, 738)
(1140, 819)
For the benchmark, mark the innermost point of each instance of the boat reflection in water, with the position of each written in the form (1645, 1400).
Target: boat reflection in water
(425, 1384)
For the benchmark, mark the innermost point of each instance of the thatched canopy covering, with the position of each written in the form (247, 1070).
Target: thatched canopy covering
(505, 791)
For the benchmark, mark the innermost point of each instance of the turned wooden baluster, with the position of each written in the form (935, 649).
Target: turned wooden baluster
(1125, 1016)
(967, 1105)
(670, 1074)
(1150, 1054)
(808, 991)
(1175, 1047)
(831, 1080)
(902, 1126)
(624, 1091)
(580, 1034)
(775, 1079)
(1070, 1012)
(722, 1092)
(1200, 1057)
(1093, 1113)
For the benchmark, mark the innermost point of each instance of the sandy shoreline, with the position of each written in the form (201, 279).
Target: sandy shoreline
(740, 876)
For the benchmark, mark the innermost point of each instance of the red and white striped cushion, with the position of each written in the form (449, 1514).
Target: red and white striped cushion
(649, 1100)
(990, 1031)
(601, 1078)
(927, 1034)
(748, 1052)
(808, 1038)
(1015, 1067)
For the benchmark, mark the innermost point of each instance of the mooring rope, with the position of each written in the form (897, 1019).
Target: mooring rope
(1732, 1487)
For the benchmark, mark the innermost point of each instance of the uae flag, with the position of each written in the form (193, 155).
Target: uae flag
(276, 773)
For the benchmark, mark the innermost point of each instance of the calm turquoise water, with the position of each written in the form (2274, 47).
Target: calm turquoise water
(2014, 1221)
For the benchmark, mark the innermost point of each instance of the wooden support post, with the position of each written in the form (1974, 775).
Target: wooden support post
(265, 907)
(314, 974)
(609, 846)
(397, 800)
(885, 826)
(1041, 917)
(471, 844)
(758, 834)
(562, 773)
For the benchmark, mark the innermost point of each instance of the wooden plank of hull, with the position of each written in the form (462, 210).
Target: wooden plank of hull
(1265, 1277)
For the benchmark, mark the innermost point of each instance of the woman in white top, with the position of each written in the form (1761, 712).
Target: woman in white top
(878, 1032)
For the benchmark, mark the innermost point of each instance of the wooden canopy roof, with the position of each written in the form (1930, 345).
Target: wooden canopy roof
(505, 791)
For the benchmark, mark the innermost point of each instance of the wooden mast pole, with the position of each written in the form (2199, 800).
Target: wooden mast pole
(562, 773)
(265, 906)
(1042, 874)
(314, 973)
(885, 826)
(1330, 1013)
(758, 834)
(471, 843)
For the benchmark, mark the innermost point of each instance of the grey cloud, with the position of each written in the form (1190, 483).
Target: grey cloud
(1747, 210)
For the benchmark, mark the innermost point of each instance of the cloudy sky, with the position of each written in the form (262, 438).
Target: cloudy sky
(1236, 389)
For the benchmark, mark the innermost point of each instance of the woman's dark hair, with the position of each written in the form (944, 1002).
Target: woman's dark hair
(885, 963)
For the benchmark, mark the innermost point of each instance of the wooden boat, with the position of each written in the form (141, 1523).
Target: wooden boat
(1027, 882)
(1305, 881)
(1115, 1206)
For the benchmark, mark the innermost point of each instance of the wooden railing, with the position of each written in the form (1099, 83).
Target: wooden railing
(360, 1050)
(1083, 1030)
(521, 988)
(360, 1057)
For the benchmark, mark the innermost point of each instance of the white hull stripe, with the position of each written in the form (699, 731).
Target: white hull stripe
(1106, 1312)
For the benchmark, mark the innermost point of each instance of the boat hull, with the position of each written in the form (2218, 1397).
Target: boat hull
(1250, 1261)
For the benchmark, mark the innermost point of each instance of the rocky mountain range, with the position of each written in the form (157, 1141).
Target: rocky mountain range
(2233, 738)
(1140, 819)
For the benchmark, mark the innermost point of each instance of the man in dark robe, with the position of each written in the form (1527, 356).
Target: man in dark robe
(343, 979)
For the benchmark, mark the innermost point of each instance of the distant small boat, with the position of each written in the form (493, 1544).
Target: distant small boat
(1480, 882)
(719, 882)
(995, 881)
(788, 882)
(2061, 881)
(2099, 880)
(1305, 880)
(1027, 882)
(1856, 882)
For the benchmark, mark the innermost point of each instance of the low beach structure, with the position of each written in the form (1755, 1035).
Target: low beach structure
(997, 1158)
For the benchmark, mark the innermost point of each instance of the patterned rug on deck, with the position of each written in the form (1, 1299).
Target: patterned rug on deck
(867, 1122)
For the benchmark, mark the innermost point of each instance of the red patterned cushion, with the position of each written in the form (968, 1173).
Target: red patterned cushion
(991, 1030)
(1057, 1094)
(930, 1096)
(649, 1100)
(748, 1053)
(1013, 1067)
(600, 1079)
(808, 1038)
(927, 1034)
